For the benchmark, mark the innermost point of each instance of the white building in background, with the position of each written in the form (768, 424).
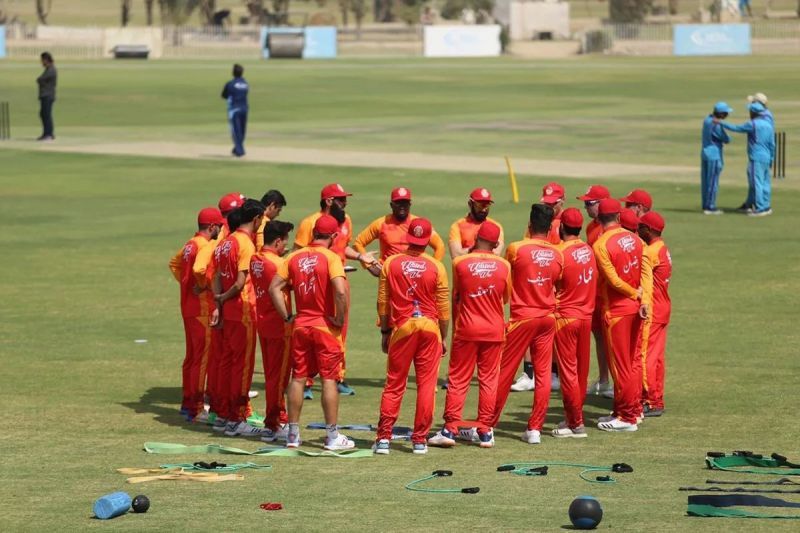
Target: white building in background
(529, 20)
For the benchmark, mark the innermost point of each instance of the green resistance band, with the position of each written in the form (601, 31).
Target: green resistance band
(721, 506)
(751, 463)
(165, 448)
(541, 469)
(709, 511)
(435, 474)
(215, 467)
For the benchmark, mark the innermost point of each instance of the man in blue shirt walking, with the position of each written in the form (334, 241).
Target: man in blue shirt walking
(760, 153)
(235, 92)
(711, 161)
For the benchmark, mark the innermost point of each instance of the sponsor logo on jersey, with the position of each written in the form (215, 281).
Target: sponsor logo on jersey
(582, 255)
(627, 243)
(413, 269)
(483, 269)
(307, 264)
(543, 258)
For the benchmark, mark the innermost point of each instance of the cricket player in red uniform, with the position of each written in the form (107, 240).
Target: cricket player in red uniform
(624, 271)
(274, 333)
(391, 231)
(629, 220)
(576, 299)
(203, 269)
(591, 201)
(414, 313)
(465, 229)
(536, 267)
(639, 201)
(235, 315)
(316, 277)
(273, 202)
(333, 201)
(654, 331)
(481, 287)
(196, 309)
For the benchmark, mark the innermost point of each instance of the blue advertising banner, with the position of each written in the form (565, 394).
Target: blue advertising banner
(2, 42)
(711, 39)
(319, 42)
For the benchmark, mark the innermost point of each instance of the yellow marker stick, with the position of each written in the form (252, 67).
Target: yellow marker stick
(513, 179)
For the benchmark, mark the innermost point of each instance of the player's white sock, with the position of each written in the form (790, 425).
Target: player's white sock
(333, 432)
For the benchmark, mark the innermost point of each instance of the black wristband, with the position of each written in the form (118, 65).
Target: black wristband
(386, 331)
(288, 317)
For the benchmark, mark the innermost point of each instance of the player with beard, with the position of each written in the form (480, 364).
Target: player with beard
(464, 231)
(333, 202)
(391, 231)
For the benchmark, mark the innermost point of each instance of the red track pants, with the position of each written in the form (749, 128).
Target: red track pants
(195, 363)
(654, 344)
(212, 383)
(537, 334)
(464, 356)
(417, 340)
(275, 356)
(236, 369)
(573, 350)
(625, 364)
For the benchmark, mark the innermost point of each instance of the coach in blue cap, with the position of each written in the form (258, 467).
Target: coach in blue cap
(760, 153)
(711, 161)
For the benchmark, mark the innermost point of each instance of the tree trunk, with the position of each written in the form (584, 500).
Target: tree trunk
(42, 12)
(344, 6)
(148, 7)
(126, 12)
(207, 9)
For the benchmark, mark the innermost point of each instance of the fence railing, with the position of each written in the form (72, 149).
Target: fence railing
(759, 29)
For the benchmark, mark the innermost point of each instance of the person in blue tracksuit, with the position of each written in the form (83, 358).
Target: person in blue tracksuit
(235, 92)
(762, 98)
(711, 161)
(760, 154)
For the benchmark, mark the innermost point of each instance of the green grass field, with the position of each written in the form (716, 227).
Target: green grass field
(87, 240)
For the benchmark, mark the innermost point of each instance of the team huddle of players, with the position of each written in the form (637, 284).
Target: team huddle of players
(238, 284)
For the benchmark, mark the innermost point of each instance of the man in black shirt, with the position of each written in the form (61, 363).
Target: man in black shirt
(47, 95)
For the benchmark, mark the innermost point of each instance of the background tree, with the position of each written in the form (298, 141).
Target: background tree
(177, 12)
(42, 12)
(125, 7)
(623, 11)
(148, 9)
(207, 10)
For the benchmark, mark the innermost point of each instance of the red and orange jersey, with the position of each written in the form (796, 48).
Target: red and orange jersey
(232, 256)
(309, 271)
(464, 231)
(661, 263)
(412, 284)
(481, 287)
(391, 235)
(553, 236)
(577, 293)
(260, 233)
(181, 265)
(593, 231)
(263, 267)
(305, 234)
(204, 262)
(622, 264)
(536, 266)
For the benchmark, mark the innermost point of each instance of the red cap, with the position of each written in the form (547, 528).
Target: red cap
(639, 196)
(552, 192)
(653, 220)
(628, 219)
(595, 192)
(481, 195)
(609, 206)
(210, 215)
(489, 232)
(401, 193)
(230, 201)
(333, 190)
(572, 217)
(326, 225)
(419, 232)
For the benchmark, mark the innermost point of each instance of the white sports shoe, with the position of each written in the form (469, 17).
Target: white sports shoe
(419, 448)
(565, 432)
(468, 434)
(220, 424)
(269, 435)
(486, 439)
(443, 439)
(201, 418)
(241, 429)
(523, 383)
(713, 212)
(616, 424)
(555, 383)
(381, 447)
(532, 436)
(339, 443)
(599, 387)
(252, 394)
(293, 440)
(604, 419)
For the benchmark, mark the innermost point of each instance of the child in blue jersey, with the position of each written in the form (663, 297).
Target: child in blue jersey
(235, 92)
(711, 161)
(760, 153)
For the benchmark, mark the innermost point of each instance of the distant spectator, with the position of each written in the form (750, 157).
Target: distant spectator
(427, 17)
(235, 93)
(47, 95)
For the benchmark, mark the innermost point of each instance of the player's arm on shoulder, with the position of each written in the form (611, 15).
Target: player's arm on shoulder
(501, 243)
(454, 241)
(437, 244)
(340, 300)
